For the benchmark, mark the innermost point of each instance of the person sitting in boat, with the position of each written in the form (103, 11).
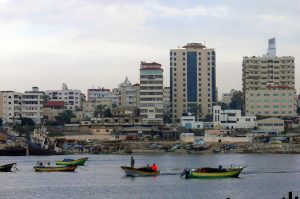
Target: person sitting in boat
(154, 167)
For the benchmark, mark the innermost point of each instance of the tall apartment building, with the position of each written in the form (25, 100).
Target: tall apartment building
(192, 80)
(129, 94)
(166, 99)
(71, 97)
(14, 105)
(269, 84)
(151, 93)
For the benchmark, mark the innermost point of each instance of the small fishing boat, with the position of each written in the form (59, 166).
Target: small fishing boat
(78, 162)
(70, 168)
(6, 167)
(207, 172)
(143, 171)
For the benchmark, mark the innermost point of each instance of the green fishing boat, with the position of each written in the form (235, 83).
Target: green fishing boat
(207, 172)
(143, 171)
(78, 162)
(70, 168)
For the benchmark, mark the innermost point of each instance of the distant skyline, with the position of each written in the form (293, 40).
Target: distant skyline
(87, 43)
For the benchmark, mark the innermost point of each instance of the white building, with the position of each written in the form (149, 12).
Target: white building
(71, 97)
(151, 93)
(14, 105)
(94, 94)
(190, 122)
(129, 94)
(232, 119)
(32, 104)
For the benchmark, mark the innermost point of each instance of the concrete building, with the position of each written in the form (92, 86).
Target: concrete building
(272, 101)
(166, 100)
(32, 104)
(271, 124)
(269, 84)
(93, 94)
(232, 119)
(14, 105)
(88, 108)
(151, 93)
(192, 80)
(10, 106)
(71, 97)
(189, 122)
(129, 94)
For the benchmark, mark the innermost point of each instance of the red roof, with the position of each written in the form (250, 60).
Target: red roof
(54, 104)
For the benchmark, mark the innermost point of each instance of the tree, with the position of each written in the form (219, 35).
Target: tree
(208, 118)
(25, 121)
(65, 117)
(196, 110)
(223, 105)
(107, 112)
(99, 111)
(237, 101)
(46, 98)
(1, 121)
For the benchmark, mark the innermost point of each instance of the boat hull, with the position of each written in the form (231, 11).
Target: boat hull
(226, 174)
(232, 172)
(79, 162)
(55, 169)
(6, 167)
(134, 172)
(13, 151)
(37, 150)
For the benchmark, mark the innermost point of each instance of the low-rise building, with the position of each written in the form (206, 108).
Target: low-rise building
(14, 105)
(271, 124)
(232, 119)
(71, 97)
(187, 137)
(223, 136)
(190, 122)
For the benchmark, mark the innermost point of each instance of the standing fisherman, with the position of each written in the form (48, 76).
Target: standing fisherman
(132, 162)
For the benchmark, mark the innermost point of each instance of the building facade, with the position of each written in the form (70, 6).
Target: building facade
(192, 80)
(71, 97)
(15, 105)
(129, 94)
(232, 119)
(166, 99)
(10, 106)
(269, 84)
(94, 94)
(151, 93)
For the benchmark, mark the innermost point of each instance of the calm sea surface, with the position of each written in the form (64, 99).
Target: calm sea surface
(267, 176)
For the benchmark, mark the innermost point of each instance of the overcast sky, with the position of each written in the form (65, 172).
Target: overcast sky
(88, 43)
